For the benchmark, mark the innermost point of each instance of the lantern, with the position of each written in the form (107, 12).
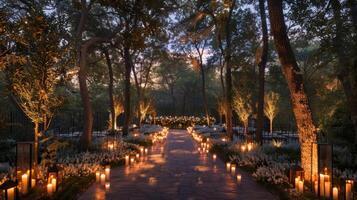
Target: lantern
(321, 169)
(111, 143)
(24, 164)
(296, 172)
(54, 177)
(9, 190)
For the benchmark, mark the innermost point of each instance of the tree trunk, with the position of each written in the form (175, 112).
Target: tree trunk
(203, 88)
(228, 103)
(221, 76)
(293, 76)
(271, 126)
(35, 147)
(138, 92)
(245, 128)
(262, 64)
(86, 137)
(229, 92)
(127, 59)
(183, 109)
(110, 89)
(346, 69)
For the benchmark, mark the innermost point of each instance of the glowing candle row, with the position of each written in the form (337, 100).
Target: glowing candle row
(51, 185)
(102, 177)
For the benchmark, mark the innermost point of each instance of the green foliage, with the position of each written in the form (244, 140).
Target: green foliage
(34, 80)
(49, 156)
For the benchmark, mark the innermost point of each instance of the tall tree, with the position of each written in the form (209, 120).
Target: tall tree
(110, 89)
(33, 79)
(271, 107)
(228, 75)
(262, 61)
(142, 71)
(138, 20)
(293, 76)
(82, 47)
(347, 59)
(196, 50)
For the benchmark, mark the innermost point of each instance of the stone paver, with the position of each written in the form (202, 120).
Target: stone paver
(176, 170)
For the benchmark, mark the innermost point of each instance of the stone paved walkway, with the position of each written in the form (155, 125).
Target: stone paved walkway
(177, 171)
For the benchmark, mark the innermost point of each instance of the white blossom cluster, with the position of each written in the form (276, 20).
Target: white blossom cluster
(87, 163)
(160, 136)
(272, 174)
(181, 121)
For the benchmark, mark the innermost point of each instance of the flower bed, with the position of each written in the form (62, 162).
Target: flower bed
(182, 122)
(78, 169)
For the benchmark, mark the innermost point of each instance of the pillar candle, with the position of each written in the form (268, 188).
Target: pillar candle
(33, 183)
(132, 160)
(97, 176)
(335, 193)
(233, 169)
(49, 189)
(102, 179)
(11, 194)
(327, 189)
(146, 150)
(228, 165)
(348, 190)
(322, 185)
(141, 149)
(243, 148)
(250, 147)
(316, 184)
(24, 182)
(54, 184)
(301, 186)
(107, 172)
(137, 155)
(214, 156)
(239, 178)
(107, 186)
(126, 160)
(297, 183)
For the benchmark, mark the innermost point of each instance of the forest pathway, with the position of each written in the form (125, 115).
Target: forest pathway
(176, 170)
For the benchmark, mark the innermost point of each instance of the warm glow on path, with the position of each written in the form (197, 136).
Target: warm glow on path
(177, 171)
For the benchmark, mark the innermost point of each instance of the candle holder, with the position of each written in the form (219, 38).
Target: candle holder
(9, 190)
(24, 164)
(322, 169)
(107, 172)
(112, 141)
(54, 174)
(296, 172)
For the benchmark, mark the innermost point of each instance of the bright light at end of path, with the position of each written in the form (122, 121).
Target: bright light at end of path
(239, 178)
